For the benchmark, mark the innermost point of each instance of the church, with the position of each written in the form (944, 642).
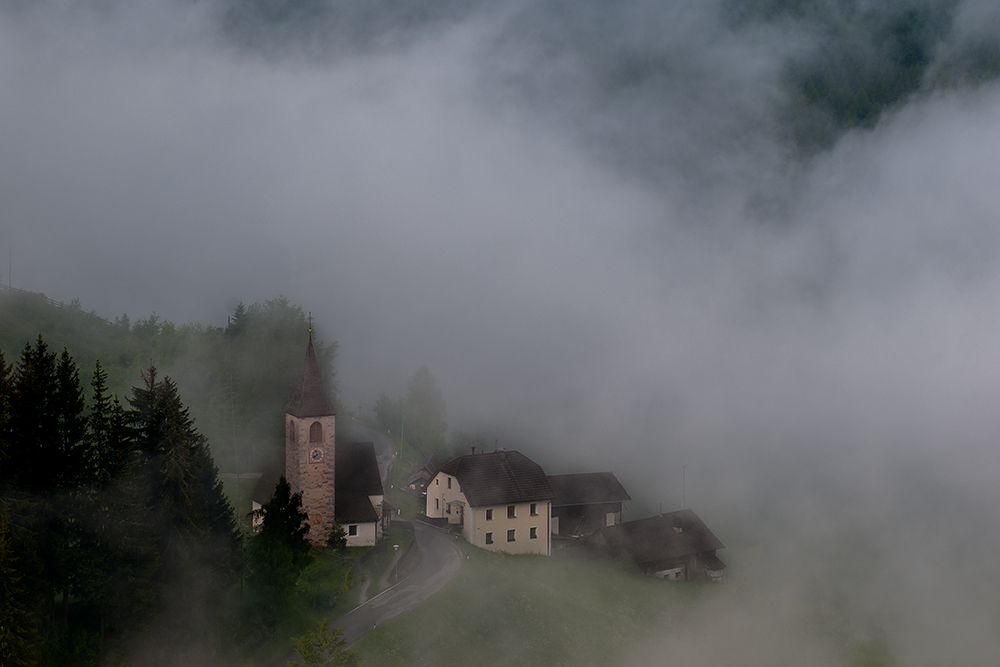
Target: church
(340, 483)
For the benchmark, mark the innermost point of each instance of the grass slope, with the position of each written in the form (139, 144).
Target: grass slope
(532, 610)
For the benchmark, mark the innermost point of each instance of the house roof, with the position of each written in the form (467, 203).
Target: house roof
(497, 478)
(588, 488)
(309, 399)
(654, 539)
(357, 478)
(425, 472)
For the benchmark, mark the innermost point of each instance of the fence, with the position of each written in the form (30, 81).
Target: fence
(75, 306)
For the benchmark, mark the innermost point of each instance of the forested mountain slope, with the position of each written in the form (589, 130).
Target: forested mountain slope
(235, 379)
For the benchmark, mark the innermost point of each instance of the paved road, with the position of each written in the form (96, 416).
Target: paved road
(440, 561)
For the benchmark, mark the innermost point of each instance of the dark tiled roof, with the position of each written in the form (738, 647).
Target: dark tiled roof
(425, 472)
(499, 477)
(309, 399)
(654, 539)
(357, 477)
(588, 488)
(273, 471)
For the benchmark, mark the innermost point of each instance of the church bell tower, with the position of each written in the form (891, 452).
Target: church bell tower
(309, 448)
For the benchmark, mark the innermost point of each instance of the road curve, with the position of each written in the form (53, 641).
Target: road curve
(440, 561)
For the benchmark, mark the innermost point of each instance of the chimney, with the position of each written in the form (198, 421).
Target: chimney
(678, 526)
(473, 450)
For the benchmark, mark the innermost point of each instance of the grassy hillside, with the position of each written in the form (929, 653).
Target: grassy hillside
(531, 610)
(528, 610)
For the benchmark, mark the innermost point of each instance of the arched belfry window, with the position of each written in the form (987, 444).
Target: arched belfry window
(291, 431)
(316, 432)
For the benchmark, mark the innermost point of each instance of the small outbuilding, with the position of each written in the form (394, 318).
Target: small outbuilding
(586, 502)
(676, 545)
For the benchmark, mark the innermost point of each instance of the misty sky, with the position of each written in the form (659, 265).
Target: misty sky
(606, 267)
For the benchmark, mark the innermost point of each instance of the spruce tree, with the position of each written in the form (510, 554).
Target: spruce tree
(109, 443)
(197, 529)
(5, 396)
(35, 440)
(278, 552)
(71, 425)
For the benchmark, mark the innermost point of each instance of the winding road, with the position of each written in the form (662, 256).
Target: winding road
(440, 561)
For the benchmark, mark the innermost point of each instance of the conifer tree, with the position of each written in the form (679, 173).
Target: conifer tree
(196, 520)
(109, 444)
(5, 391)
(71, 424)
(17, 624)
(278, 552)
(34, 438)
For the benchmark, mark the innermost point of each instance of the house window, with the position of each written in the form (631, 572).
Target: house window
(534, 509)
(489, 538)
(437, 504)
(510, 535)
(316, 432)
(448, 509)
(437, 482)
(449, 482)
(533, 533)
(489, 514)
(352, 530)
(510, 512)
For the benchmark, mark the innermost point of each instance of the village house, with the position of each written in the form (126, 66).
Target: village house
(422, 475)
(586, 502)
(501, 500)
(676, 545)
(340, 483)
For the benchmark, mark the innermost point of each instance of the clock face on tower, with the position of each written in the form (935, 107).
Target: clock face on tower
(316, 455)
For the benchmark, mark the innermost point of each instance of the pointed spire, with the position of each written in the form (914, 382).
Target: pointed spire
(310, 400)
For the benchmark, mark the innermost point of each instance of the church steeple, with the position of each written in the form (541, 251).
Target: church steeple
(310, 399)
(310, 447)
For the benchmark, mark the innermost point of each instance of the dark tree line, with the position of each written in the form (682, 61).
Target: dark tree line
(111, 517)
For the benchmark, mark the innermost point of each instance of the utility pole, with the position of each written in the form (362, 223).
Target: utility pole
(683, 486)
(232, 413)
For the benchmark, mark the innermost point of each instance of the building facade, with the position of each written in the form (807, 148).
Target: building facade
(502, 501)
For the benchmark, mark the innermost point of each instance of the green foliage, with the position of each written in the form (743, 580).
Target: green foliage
(277, 553)
(337, 539)
(17, 624)
(237, 379)
(869, 59)
(324, 647)
(123, 516)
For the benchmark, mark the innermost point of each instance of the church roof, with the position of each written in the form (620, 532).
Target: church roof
(358, 478)
(309, 399)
